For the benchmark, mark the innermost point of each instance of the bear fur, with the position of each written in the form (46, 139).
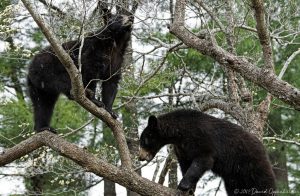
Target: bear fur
(203, 142)
(101, 58)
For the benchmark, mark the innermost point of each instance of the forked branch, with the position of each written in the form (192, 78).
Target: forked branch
(259, 76)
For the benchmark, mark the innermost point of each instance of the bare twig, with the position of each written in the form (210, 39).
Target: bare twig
(288, 61)
(212, 15)
(158, 96)
(81, 37)
(282, 140)
(149, 77)
(218, 188)
(79, 128)
(57, 9)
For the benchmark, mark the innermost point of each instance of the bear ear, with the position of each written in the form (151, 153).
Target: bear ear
(152, 122)
(103, 7)
(106, 15)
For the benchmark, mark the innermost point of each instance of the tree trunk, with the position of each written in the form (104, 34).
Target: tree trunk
(130, 118)
(129, 121)
(109, 188)
(37, 180)
(173, 180)
(173, 165)
(36, 183)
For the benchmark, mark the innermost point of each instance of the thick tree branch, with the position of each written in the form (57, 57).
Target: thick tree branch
(231, 75)
(265, 41)
(236, 111)
(77, 87)
(21, 149)
(263, 33)
(87, 160)
(262, 115)
(262, 77)
(166, 168)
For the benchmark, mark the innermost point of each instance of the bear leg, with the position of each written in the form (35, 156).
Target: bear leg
(90, 94)
(196, 170)
(43, 105)
(109, 92)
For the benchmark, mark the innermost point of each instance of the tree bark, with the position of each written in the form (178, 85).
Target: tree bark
(109, 188)
(123, 176)
(173, 181)
(36, 183)
(264, 78)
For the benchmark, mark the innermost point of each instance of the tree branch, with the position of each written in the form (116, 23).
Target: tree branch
(264, 78)
(236, 111)
(263, 33)
(282, 140)
(55, 8)
(265, 41)
(21, 149)
(166, 168)
(229, 33)
(87, 160)
(212, 15)
(288, 61)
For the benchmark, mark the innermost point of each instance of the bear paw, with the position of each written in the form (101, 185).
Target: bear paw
(186, 186)
(98, 103)
(113, 114)
(47, 129)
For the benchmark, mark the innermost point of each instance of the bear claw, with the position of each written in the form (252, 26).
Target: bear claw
(113, 114)
(48, 129)
(186, 187)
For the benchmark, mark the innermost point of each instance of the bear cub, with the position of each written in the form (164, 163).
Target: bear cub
(203, 142)
(101, 59)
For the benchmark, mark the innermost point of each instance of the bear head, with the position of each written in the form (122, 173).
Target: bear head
(150, 141)
(120, 23)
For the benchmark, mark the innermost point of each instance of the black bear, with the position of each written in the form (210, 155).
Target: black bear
(101, 59)
(203, 142)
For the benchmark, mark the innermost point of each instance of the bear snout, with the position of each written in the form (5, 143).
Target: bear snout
(144, 155)
(127, 21)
